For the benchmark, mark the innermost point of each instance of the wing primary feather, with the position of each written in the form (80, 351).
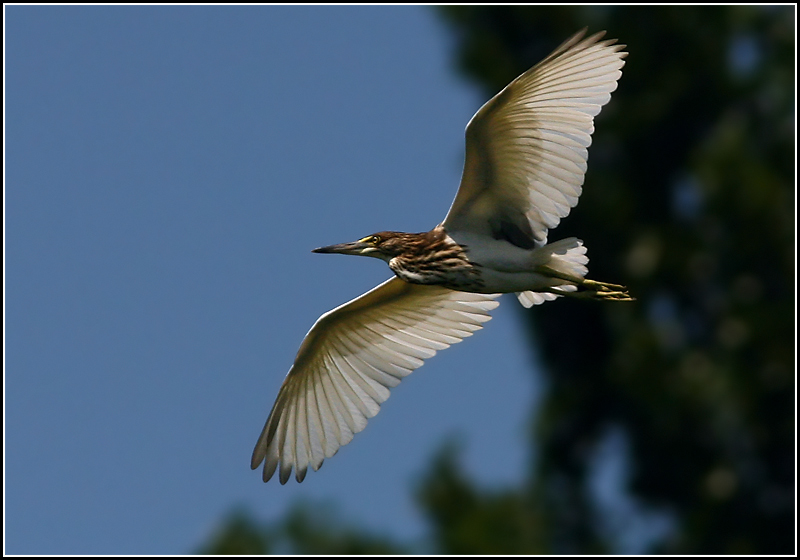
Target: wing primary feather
(287, 447)
(380, 376)
(343, 383)
(349, 410)
(375, 361)
(375, 393)
(344, 431)
(299, 441)
(317, 417)
(333, 432)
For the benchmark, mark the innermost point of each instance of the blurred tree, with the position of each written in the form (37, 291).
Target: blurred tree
(240, 535)
(689, 200)
(306, 529)
(467, 520)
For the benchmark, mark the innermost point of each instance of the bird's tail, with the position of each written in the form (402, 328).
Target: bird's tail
(566, 257)
(565, 262)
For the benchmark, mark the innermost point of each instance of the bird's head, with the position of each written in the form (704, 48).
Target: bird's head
(384, 245)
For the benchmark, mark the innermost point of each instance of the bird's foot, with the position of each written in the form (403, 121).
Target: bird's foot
(602, 286)
(593, 289)
(588, 289)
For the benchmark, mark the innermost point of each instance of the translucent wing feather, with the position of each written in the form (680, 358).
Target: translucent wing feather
(350, 359)
(527, 146)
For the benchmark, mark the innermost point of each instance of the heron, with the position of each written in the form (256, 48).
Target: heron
(526, 156)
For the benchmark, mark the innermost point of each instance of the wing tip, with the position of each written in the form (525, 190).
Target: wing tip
(594, 39)
(255, 460)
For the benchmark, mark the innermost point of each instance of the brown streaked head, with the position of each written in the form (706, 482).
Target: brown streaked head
(383, 245)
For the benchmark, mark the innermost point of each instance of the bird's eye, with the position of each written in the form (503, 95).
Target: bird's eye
(375, 240)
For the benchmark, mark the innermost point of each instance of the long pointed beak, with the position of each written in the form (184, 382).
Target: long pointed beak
(354, 248)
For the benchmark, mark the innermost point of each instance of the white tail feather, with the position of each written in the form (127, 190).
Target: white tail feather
(567, 256)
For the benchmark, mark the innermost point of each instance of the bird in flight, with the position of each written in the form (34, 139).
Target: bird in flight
(524, 167)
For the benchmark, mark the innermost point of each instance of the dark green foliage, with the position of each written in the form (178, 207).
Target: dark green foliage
(467, 520)
(689, 200)
(316, 530)
(239, 535)
(306, 529)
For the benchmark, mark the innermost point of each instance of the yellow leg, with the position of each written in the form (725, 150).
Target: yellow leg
(587, 289)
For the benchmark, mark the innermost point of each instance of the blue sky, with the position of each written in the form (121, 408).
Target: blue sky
(167, 172)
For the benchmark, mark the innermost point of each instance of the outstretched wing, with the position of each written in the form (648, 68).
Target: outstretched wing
(350, 359)
(527, 146)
